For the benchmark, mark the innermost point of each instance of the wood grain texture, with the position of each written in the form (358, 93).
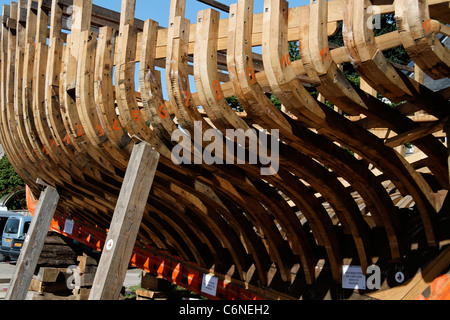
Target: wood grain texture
(125, 223)
(33, 245)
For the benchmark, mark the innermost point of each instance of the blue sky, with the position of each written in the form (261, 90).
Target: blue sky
(159, 9)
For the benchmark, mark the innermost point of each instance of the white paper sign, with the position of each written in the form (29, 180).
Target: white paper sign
(209, 284)
(68, 226)
(353, 278)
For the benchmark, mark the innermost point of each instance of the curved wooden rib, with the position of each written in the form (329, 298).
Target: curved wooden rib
(419, 39)
(150, 83)
(242, 72)
(6, 137)
(91, 124)
(177, 76)
(300, 100)
(76, 135)
(126, 100)
(381, 75)
(205, 70)
(103, 93)
(337, 89)
(266, 113)
(288, 89)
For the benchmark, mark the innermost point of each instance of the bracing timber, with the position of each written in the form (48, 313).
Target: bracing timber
(81, 85)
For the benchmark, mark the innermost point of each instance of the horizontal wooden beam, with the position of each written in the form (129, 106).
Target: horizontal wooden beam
(416, 133)
(216, 4)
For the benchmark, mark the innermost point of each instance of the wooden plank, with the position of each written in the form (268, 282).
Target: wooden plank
(416, 133)
(153, 283)
(143, 294)
(42, 287)
(86, 264)
(46, 274)
(33, 244)
(125, 224)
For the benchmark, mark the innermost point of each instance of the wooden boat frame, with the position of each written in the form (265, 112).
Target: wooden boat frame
(71, 113)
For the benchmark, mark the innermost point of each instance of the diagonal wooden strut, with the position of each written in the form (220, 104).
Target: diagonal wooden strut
(216, 4)
(33, 244)
(125, 223)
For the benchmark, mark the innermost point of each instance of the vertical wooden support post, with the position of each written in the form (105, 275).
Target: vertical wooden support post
(33, 244)
(447, 130)
(125, 223)
(419, 76)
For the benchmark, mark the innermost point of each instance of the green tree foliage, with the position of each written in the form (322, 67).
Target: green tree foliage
(294, 51)
(396, 54)
(234, 103)
(9, 181)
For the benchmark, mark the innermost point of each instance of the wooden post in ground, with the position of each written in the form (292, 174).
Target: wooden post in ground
(125, 223)
(33, 244)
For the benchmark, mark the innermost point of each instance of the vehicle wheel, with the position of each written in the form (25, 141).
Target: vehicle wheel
(2, 258)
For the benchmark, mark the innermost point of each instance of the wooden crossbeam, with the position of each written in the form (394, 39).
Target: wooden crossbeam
(216, 4)
(125, 223)
(33, 244)
(416, 133)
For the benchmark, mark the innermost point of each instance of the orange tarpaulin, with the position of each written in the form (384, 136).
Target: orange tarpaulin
(148, 259)
(31, 200)
(438, 290)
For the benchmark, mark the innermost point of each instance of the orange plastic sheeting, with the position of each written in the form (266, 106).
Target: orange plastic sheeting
(438, 290)
(148, 259)
(31, 200)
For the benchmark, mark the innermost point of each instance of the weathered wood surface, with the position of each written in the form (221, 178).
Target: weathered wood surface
(125, 223)
(33, 244)
(74, 103)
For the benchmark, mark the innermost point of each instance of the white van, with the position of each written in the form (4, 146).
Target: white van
(4, 216)
(13, 236)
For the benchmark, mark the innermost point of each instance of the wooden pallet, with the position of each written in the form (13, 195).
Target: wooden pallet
(65, 121)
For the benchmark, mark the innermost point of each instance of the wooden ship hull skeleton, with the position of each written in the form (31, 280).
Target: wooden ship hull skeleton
(70, 115)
